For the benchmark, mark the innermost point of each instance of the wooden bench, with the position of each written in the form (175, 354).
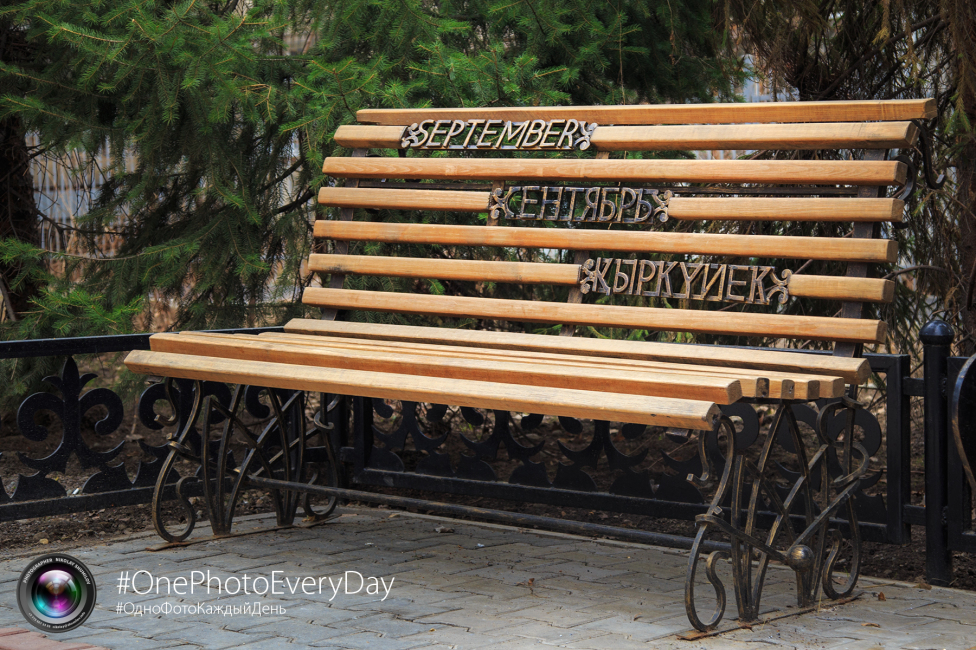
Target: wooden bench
(621, 236)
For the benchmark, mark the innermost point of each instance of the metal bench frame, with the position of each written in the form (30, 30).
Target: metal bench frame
(803, 529)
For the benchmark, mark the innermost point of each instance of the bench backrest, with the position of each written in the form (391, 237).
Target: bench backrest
(575, 179)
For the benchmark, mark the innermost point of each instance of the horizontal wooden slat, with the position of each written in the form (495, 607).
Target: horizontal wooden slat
(538, 373)
(842, 288)
(876, 135)
(806, 286)
(785, 209)
(672, 320)
(845, 135)
(392, 199)
(755, 383)
(680, 207)
(851, 370)
(359, 136)
(659, 411)
(836, 249)
(474, 270)
(831, 172)
(850, 111)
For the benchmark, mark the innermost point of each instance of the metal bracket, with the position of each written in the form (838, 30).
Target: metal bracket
(925, 144)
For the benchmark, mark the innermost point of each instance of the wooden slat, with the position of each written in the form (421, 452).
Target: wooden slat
(806, 286)
(851, 370)
(793, 172)
(845, 135)
(359, 136)
(537, 311)
(876, 135)
(384, 199)
(842, 288)
(680, 207)
(835, 249)
(785, 209)
(850, 111)
(755, 383)
(474, 270)
(659, 411)
(635, 382)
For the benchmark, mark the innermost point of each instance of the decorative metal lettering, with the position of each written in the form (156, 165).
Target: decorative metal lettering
(684, 280)
(499, 134)
(592, 204)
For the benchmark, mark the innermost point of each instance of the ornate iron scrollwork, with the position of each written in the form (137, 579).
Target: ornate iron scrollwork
(70, 408)
(814, 494)
(280, 451)
(964, 419)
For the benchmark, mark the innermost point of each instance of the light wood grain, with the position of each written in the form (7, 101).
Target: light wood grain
(755, 383)
(805, 286)
(842, 288)
(849, 111)
(669, 412)
(872, 135)
(845, 135)
(851, 370)
(537, 311)
(359, 136)
(447, 269)
(835, 249)
(394, 199)
(722, 390)
(680, 207)
(785, 209)
(843, 172)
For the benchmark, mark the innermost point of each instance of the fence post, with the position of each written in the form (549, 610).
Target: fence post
(936, 337)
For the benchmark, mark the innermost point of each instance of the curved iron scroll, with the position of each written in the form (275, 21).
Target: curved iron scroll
(964, 418)
(279, 450)
(925, 144)
(746, 487)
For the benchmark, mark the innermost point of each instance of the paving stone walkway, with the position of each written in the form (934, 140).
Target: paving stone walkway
(467, 586)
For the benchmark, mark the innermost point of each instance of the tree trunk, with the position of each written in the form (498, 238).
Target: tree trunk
(18, 212)
(967, 230)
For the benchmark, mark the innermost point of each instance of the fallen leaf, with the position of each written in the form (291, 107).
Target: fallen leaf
(870, 625)
(745, 626)
(923, 585)
(44, 540)
(881, 596)
(443, 529)
(691, 636)
(395, 514)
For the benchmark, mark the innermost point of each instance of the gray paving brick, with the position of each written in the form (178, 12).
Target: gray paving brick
(370, 640)
(451, 593)
(210, 636)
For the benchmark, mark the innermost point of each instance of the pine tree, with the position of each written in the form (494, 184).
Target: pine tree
(225, 128)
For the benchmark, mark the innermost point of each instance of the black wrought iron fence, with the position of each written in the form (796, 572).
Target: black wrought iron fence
(407, 448)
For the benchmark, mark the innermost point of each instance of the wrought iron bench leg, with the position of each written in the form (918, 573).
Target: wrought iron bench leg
(812, 493)
(279, 451)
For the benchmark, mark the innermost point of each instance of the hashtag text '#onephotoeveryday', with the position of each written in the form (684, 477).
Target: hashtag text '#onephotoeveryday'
(144, 583)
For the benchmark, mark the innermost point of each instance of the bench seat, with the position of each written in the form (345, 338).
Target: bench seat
(492, 218)
(640, 409)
